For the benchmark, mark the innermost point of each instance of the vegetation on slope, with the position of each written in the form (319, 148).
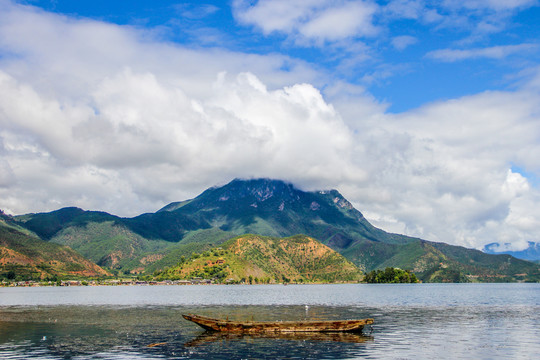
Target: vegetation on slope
(253, 258)
(438, 262)
(390, 275)
(478, 266)
(198, 241)
(24, 257)
(109, 244)
(114, 246)
(46, 225)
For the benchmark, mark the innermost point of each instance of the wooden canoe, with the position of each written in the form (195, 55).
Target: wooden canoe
(278, 326)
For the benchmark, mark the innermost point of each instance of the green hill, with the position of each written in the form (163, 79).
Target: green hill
(113, 245)
(26, 257)
(118, 243)
(46, 225)
(259, 259)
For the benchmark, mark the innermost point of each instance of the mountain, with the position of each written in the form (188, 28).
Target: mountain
(108, 241)
(262, 206)
(260, 259)
(477, 266)
(23, 256)
(274, 208)
(48, 224)
(531, 253)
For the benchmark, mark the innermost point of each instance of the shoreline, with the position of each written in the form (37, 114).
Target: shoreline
(68, 283)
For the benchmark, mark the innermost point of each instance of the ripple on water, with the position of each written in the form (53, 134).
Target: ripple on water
(416, 326)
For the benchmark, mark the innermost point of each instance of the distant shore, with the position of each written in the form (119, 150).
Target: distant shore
(65, 283)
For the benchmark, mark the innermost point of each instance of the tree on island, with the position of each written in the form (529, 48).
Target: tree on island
(390, 275)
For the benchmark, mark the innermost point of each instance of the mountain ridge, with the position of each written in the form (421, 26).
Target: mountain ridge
(264, 207)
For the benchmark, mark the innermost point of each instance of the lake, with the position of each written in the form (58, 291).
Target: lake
(412, 321)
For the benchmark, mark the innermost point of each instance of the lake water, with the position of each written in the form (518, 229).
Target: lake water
(424, 321)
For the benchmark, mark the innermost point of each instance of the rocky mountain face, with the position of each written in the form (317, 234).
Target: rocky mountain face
(276, 208)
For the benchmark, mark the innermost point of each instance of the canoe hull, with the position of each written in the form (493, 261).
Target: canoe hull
(278, 326)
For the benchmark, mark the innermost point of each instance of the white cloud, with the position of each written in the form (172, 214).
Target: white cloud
(496, 5)
(405, 9)
(70, 56)
(475, 19)
(313, 20)
(404, 41)
(494, 52)
(126, 115)
(134, 122)
(196, 12)
(348, 20)
(278, 15)
(319, 22)
(6, 174)
(442, 170)
(123, 123)
(481, 18)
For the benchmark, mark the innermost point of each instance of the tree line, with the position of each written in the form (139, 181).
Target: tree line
(390, 275)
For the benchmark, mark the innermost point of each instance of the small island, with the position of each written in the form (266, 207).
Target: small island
(390, 275)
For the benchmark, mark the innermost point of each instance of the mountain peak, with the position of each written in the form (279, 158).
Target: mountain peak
(260, 189)
(269, 193)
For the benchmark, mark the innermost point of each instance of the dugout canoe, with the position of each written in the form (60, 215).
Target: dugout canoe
(278, 326)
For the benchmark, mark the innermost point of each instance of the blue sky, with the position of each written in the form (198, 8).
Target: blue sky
(424, 114)
(409, 58)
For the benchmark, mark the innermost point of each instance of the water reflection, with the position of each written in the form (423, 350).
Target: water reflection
(78, 332)
(212, 336)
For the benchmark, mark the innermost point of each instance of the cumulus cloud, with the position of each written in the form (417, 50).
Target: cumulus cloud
(69, 56)
(141, 117)
(123, 123)
(448, 164)
(132, 122)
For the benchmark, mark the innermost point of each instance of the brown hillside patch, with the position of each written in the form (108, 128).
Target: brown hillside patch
(295, 258)
(14, 257)
(151, 258)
